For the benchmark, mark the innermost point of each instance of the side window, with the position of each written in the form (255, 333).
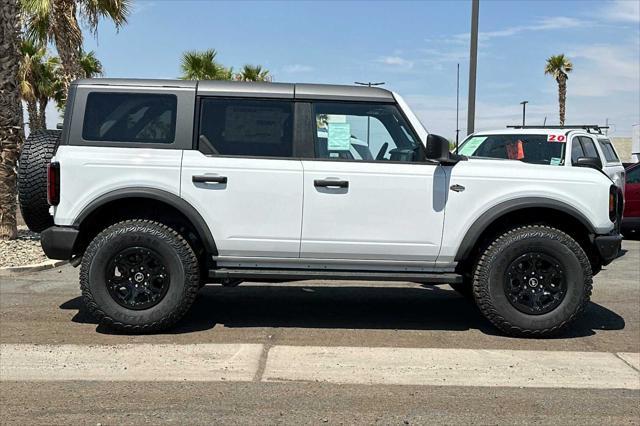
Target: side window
(607, 149)
(361, 131)
(130, 117)
(576, 150)
(633, 175)
(589, 147)
(252, 128)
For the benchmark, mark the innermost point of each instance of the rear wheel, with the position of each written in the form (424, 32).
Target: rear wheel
(532, 281)
(139, 276)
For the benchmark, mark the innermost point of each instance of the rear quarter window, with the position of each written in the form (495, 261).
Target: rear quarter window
(130, 117)
(608, 150)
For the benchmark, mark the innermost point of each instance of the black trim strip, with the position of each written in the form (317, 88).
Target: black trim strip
(155, 194)
(493, 214)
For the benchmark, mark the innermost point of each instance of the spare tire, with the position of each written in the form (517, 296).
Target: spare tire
(32, 178)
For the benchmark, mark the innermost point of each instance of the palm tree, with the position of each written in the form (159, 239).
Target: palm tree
(56, 21)
(90, 65)
(253, 73)
(197, 65)
(11, 135)
(558, 66)
(30, 78)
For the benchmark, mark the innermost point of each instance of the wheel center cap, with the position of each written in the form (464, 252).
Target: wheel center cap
(139, 277)
(533, 282)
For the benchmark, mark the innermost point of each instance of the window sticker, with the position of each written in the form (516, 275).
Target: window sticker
(339, 137)
(471, 145)
(556, 138)
(555, 161)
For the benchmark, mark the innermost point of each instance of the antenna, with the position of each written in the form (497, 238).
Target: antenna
(545, 121)
(458, 109)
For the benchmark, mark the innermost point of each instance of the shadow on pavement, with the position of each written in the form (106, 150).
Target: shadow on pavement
(295, 305)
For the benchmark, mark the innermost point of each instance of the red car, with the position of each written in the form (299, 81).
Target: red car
(631, 215)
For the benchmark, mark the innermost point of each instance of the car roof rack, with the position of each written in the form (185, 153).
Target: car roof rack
(588, 127)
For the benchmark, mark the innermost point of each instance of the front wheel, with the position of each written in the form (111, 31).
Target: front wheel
(139, 276)
(532, 281)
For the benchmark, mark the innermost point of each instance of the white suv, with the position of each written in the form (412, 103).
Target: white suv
(159, 187)
(549, 145)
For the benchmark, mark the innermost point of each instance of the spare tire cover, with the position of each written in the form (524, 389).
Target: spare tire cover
(32, 178)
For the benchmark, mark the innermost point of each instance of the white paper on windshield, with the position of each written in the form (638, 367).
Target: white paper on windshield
(471, 145)
(555, 161)
(339, 137)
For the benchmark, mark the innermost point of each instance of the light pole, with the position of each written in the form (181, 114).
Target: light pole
(369, 84)
(473, 66)
(524, 109)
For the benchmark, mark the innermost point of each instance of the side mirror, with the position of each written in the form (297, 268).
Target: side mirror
(593, 162)
(438, 150)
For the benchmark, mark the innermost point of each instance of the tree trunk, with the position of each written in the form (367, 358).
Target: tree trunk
(562, 96)
(11, 135)
(68, 39)
(42, 112)
(34, 117)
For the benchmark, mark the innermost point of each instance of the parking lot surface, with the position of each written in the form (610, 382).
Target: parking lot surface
(318, 352)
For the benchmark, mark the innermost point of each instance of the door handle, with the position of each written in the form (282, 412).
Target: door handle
(208, 179)
(329, 183)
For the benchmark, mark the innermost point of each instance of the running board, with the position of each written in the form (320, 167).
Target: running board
(299, 275)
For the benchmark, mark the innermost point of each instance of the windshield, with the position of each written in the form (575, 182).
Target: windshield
(536, 149)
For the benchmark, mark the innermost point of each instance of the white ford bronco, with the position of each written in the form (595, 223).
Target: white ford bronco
(156, 188)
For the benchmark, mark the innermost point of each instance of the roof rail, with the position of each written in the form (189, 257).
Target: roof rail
(587, 127)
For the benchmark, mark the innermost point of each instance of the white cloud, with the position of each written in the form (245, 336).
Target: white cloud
(396, 61)
(297, 68)
(542, 24)
(622, 11)
(605, 70)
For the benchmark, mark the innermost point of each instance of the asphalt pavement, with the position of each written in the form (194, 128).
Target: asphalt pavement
(317, 352)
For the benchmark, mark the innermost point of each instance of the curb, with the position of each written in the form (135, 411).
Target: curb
(50, 264)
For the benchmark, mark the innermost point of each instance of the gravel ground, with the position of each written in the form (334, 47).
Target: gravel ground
(25, 250)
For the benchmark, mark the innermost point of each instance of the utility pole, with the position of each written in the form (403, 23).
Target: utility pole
(457, 108)
(524, 110)
(368, 84)
(473, 66)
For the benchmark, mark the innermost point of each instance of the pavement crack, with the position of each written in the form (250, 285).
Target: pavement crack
(262, 364)
(626, 362)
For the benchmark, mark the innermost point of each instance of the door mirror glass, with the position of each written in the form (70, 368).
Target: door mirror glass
(593, 162)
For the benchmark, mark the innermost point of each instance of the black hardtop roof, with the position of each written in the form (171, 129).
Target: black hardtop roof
(253, 89)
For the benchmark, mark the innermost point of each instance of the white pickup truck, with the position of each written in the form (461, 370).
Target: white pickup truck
(157, 187)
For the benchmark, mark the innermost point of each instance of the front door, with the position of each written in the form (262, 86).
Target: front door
(244, 180)
(368, 195)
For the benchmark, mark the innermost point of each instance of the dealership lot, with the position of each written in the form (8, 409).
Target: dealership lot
(314, 352)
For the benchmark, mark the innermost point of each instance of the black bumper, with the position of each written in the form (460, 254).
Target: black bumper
(608, 247)
(58, 242)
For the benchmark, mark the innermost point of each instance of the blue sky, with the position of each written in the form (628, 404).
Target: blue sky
(413, 46)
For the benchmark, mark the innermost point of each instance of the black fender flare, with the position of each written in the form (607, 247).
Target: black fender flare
(499, 210)
(173, 200)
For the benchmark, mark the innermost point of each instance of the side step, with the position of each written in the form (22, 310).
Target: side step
(300, 274)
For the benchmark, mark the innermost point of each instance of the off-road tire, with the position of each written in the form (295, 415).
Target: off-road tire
(32, 178)
(181, 263)
(489, 282)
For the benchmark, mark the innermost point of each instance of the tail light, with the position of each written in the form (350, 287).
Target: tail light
(613, 203)
(53, 183)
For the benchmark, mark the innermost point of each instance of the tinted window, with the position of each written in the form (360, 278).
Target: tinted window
(126, 117)
(576, 150)
(589, 147)
(360, 131)
(607, 149)
(527, 148)
(260, 128)
(633, 175)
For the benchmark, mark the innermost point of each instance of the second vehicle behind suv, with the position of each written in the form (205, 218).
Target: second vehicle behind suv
(157, 187)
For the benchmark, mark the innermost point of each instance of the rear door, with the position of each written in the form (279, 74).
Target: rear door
(244, 179)
(389, 207)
